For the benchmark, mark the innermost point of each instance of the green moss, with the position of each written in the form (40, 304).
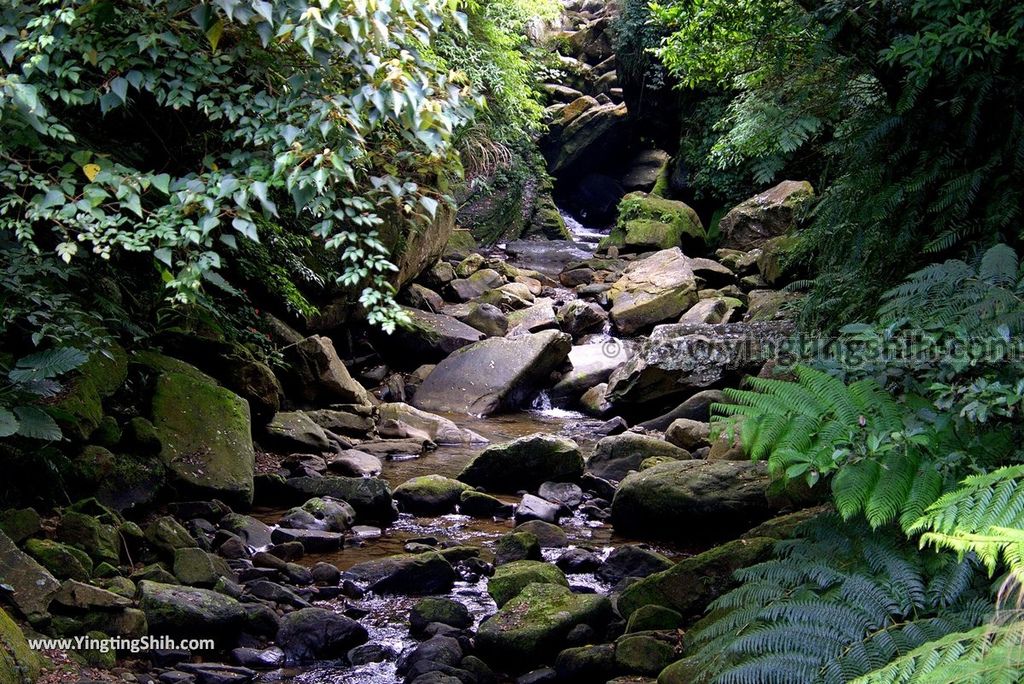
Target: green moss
(646, 653)
(105, 658)
(79, 411)
(510, 579)
(18, 524)
(65, 562)
(651, 617)
(652, 221)
(87, 533)
(18, 662)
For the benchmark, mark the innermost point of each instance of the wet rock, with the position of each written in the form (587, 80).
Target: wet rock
(617, 455)
(189, 611)
(414, 574)
(313, 541)
(564, 493)
(631, 561)
(471, 287)
(676, 359)
(511, 578)
(516, 546)
(544, 675)
(480, 505)
(319, 376)
(530, 627)
(355, 463)
(535, 508)
(434, 656)
(260, 659)
(525, 463)
(693, 499)
(578, 561)
(275, 593)
(320, 514)
(691, 584)
(430, 495)
(549, 535)
(316, 634)
(439, 610)
(217, 673)
(487, 318)
(653, 290)
(770, 214)
(205, 434)
(356, 420)
(295, 431)
(371, 653)
(251, 531)
(325, 574)
(594, 402)
(591, 364)
(369, 497)
(493, 374)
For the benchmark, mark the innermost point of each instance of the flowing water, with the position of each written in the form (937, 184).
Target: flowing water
(386, 617)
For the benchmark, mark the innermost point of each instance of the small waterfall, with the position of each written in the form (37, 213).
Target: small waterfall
(585, 236)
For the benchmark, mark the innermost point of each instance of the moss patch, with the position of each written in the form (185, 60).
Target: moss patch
(18, 662)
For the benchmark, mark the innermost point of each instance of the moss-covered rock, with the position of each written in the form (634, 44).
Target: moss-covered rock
(653, 617)
(511, 578)
(197, 568)
(531, 628)
(691, 584)
(167, 535)
(205, 435)
(79, 411)
(87, 533)
(649, 222)
(525, 463)
(63, 561)
(18, 662)
(115, 479)
(439, 610)
(414, 574)
(429, 494)
(646, 653)
(189, 610)
(517, 546)
(19, 523)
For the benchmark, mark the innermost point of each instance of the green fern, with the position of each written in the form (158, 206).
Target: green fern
(983, 517)
(835, 604)
(820, 426)
(990, 654)
(956, 293)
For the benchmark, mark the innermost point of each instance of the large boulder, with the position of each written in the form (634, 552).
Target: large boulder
(494, 374)
(414, 574)
(592, 364)
(647, 222)
(531, 628)
(770, 214)
(525, 463)
(617, 455)
(683, 358)
(189, 611)
(576, 140)
(429, 338)
(441, 430)
(653, 290)
(691, 584)
(205, 433)
(319, 377)
(79, 408)
(693, 500)
(33, 586)
(294, 431)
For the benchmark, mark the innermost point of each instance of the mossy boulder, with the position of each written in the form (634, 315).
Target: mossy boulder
(33, 584)
(166, 534)
(88, 533)
(691, 584)
(517, 546)
(511, 578)
(646, 653)
(18, 662)
(430, 495)
(439, 610)
(196, 567)
(414, 574)
(79, 411)
(653, 290)
(649, 222)
(653, 617)
(205, 435)
(189, 611)
(772, 213)
(531, 628)
(63, 561)
(525, 463)
(19, 523)
(117, 480)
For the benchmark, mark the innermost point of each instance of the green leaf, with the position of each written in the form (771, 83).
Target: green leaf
(162, 182)
(214, 33)
(36, 423)
(430, 204)
(8, 423)
(47, 364)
